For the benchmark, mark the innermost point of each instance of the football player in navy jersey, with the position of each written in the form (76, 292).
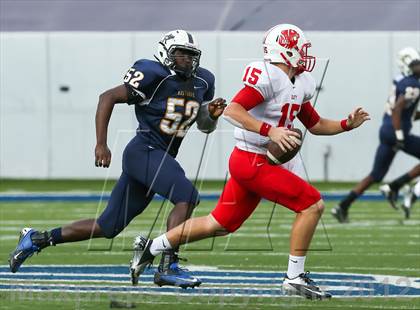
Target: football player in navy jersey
(395, 134)
(168, 96)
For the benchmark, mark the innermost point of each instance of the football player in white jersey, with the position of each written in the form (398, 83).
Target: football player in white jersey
(275, 92)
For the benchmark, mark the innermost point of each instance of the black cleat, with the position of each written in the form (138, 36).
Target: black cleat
(340, 214)
(141, 258)
(303, 286)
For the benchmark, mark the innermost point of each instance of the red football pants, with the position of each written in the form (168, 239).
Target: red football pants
(252, 178)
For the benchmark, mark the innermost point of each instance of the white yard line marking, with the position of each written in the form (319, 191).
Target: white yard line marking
(221, 282)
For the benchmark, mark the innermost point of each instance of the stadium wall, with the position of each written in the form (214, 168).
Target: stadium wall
(50, 82)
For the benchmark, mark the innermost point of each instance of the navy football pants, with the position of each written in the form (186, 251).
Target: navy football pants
(385, 152)
(146, 171)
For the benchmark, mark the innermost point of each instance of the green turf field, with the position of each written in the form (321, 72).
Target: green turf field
(376, 241)
(36, 185)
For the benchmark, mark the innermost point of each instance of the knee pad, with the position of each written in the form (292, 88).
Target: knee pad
(110, 234)
(196, 201)
(109, 231)
(191, 198)
(377, 176)
(195, 198)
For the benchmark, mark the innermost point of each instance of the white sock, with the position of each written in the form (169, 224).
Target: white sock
(159, 245)
(296, 266)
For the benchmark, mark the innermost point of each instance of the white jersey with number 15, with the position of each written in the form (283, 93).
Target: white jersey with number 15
(282, 101)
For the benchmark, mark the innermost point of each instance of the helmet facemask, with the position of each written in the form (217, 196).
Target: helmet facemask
(194, 54)
(306, 62)
(414, 67)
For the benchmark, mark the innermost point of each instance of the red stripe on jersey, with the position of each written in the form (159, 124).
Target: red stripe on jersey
(308, 115)
(248, 97)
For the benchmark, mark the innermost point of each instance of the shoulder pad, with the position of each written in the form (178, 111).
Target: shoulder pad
(151, 67)
(264, 77)
(144, 76)
(206, 75)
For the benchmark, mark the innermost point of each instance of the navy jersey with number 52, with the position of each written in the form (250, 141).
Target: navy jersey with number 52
(165, 104)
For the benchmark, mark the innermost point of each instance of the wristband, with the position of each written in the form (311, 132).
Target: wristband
(343, 124)
(265, 128)
(399, 134)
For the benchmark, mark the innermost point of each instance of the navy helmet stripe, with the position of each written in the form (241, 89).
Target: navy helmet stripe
(190, 38)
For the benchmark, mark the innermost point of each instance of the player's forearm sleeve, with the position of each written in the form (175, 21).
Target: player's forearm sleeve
(308, 115)
(204, 122)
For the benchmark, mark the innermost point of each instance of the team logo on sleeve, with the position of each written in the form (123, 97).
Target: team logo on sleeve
(288, 38)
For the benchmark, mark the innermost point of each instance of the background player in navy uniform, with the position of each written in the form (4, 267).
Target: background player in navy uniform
(168, 96)
(394, 134)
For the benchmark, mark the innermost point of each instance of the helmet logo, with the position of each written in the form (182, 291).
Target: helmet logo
(168, 37)
(288, 38)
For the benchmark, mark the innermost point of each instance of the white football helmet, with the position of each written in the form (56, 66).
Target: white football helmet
(286, 43)
(178, 39)
(405, 57)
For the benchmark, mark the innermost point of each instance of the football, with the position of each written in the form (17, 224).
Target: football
(276, 156)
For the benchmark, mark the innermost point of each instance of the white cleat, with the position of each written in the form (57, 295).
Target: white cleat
(141, 258)
(303, 286)
(409, 198)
